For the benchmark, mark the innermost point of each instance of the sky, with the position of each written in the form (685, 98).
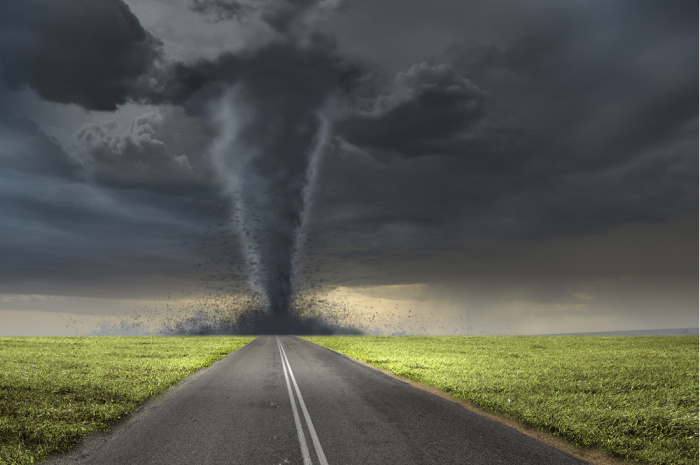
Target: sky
(384, 166)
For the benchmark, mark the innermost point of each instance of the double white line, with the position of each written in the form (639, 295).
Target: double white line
(288, 373)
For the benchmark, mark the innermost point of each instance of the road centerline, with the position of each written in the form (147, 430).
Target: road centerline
(312, 431)
(297, 421)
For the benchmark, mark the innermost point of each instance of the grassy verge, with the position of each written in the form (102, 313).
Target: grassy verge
(635, 397)
(54, 390)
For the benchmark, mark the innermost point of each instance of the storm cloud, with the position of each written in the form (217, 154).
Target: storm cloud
(476, 148)
(94, 54)
(138, 158)
(570, 130)
(420, 114)
(284, 16)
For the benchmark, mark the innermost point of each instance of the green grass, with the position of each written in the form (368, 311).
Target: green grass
(54, 390)
(632, 396)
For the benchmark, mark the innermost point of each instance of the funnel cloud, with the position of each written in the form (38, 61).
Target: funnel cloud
(272, 111)
(271, 124)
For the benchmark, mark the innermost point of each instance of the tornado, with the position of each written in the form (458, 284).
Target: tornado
(271, 124)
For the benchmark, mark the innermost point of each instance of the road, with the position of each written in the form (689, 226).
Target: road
(283, 400)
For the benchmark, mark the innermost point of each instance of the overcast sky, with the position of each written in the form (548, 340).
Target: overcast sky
(445, 166)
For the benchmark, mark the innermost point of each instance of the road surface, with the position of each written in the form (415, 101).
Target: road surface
(283, 400)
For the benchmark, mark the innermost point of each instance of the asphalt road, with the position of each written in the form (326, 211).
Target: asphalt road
(250, 408)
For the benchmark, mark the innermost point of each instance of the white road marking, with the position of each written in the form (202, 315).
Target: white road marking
(297, 421)
(309, 423)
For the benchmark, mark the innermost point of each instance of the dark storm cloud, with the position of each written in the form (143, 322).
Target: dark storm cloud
(425, 108)
(220, 10)
(585, 102)
(73, 226)
(306, 65)
(142, 157)
(281, 15)
(580, 126)
(95, 54)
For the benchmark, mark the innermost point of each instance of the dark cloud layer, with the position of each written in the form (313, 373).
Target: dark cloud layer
(220, 10)
(74, 224)
(95, 54)
(568, 131)
(143, 157)
(281, 15)
(309, 63)
(421, 113)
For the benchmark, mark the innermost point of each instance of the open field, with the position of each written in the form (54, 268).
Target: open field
(54, 390)
(633, 396)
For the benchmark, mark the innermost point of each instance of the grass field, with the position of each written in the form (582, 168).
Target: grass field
(632, 396)
(54, 390)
